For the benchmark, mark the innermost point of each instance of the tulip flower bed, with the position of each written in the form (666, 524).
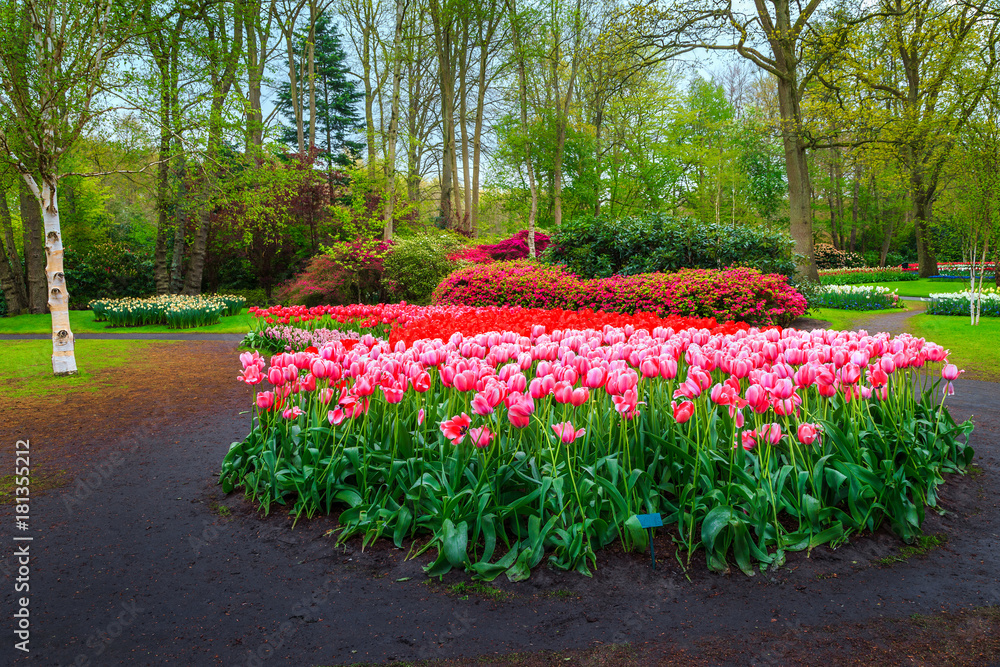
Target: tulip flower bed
(283, 338)
(857, 276)
(174, 310)
(405, 322)
(957, 303)
(506, 449)
(856, 297)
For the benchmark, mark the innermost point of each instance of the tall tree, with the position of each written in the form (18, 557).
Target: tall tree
(798, 45)
(334, 117)
(54, 59)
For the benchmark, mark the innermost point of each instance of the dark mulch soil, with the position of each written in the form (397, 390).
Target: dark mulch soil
(138, 558)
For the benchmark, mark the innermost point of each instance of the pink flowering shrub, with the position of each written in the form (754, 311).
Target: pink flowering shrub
(741, 294)
(510, 283)
(516, 247)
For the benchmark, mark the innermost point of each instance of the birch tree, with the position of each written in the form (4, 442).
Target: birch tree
(54, 59)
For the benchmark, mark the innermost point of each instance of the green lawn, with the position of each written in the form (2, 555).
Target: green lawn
(82, 321)
(26, 365)
(973, 348)
(923, 287)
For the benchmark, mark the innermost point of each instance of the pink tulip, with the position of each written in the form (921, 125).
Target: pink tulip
(480, 436)
(276, 376)
(579, 396)
(596, 377)
(420, 416)
(480, 405)
(335, 416)
(251, 375)
(771, 433)
(808, 433)
(682, 412)
(292, 413)
(565, 432)
(265, 400)
(393, 394)
(950, 372)
(748, 440)
(422, 382)
(563, 392)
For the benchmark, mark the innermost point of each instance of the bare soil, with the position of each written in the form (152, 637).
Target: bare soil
(138, 558)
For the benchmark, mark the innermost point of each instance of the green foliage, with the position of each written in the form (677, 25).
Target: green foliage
(108, 269)
(415, 265)
(594, 247)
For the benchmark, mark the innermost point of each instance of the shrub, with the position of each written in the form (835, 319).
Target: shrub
(415, 266)
(828, 257)
(742, 293)
(344, 273)
(511, 283)
(597, 248)
(108, 270)
(516, 247)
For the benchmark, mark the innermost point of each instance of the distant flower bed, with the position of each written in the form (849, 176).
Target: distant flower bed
(516, 247)
(174, 310)
(740, 294)
(856, 297)
(957, 303)
(856, 276)
(285, 338)
(954, 268)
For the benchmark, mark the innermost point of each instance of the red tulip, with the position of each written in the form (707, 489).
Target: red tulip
(454, 429)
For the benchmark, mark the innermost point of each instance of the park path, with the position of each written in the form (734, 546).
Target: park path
(894, 323)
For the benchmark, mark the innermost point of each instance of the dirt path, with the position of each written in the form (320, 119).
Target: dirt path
(135, 562)
(894, 323)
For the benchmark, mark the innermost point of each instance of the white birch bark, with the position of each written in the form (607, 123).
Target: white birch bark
(63, 349)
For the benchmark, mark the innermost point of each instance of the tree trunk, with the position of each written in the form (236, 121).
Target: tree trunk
(925, 252)
(63, 357)
(391, 140)
(11, 278)
(16, 295)
(443, 46)
(34, 258)
(160, 269)
(797, 171)
(311, 69)
(522, 88)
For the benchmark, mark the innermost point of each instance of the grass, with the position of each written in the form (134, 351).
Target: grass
(923, 546)
(26, 365)
(82, 321)
(464, 589)
(39, 480)
(973, 348)
(923, 287)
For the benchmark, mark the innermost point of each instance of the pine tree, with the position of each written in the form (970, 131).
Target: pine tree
(337, 117)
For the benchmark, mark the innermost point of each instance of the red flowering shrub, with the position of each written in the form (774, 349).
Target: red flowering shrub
(516, 247)
(741, 294)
